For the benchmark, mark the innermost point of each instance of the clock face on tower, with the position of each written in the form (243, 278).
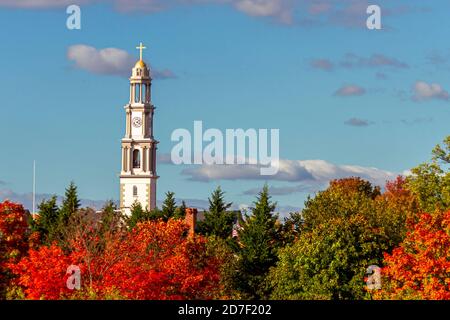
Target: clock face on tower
(137, 122)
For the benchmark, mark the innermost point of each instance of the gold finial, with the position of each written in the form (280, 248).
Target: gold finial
(141, 47)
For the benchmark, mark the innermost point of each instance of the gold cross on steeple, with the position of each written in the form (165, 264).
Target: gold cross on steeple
(141, 47)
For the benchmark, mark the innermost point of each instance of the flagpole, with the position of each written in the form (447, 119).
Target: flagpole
(34, 186)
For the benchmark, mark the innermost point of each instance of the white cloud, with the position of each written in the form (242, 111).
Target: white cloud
(40, 4)
(323, 172)
(356, 122)
(427, 91)
(351, 60)
(311, 173)
(282, 10)
(288, 171)
(110, 61)
(103, 61)
(348, 13)
(322, 64)
(285, 190)
(350, 90)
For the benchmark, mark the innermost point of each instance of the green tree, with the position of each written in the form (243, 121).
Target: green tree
(442, 153)
(348, 197)
(169, 206)
(343, 198)
(329, 261)
(343, 230)
(228, 263)
(180, 212)
(259, 243)
(47, 221)
(291, 228)
(138, 214)
(111, 218)
(70, 203)
(218, 220)
(430, 181)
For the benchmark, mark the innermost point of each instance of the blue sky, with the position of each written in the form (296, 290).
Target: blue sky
(346, 99)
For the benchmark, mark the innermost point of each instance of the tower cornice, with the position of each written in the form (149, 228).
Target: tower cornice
(139, 106)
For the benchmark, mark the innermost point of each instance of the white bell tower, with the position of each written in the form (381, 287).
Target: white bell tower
(138, 174)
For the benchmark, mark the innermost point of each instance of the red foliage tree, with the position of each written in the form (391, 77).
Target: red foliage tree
(153, 261)
(42, 273)
(158, 261)
(13, 237)
(13, 230)
(420, 267)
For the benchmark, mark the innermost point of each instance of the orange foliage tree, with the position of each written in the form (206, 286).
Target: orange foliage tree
(420, 267)
(155, 260)
(13, 238)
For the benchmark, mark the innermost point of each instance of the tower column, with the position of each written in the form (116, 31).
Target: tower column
(131, 93)
(127, 124)
(123, 159)
(144, 159)
(154, 159)
(125, 156)
(130, 159)
(144, 124)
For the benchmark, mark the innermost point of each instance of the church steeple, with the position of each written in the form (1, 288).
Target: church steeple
(138, 174)
(140, 81)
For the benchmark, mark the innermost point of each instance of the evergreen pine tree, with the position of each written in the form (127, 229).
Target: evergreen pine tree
(218, 221)
(110, 218)
(258, 241)
(109, 208)
(138, 214)
(70, 204)
(169, 206)
(155, 214)
(47, 221)
(180, 212)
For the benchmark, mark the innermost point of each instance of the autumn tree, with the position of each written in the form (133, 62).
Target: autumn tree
(155, 260)
(342, 199)
(161, 263)
(328, 261)
(420, 267)
(88, 238)
(430, 181)
(342, 231)
(291, 228)
(14, 232)
(228, 263)
(42, 273)
(394, 208)
(218, 219)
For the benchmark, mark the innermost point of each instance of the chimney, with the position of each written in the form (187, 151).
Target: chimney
(191, 220)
